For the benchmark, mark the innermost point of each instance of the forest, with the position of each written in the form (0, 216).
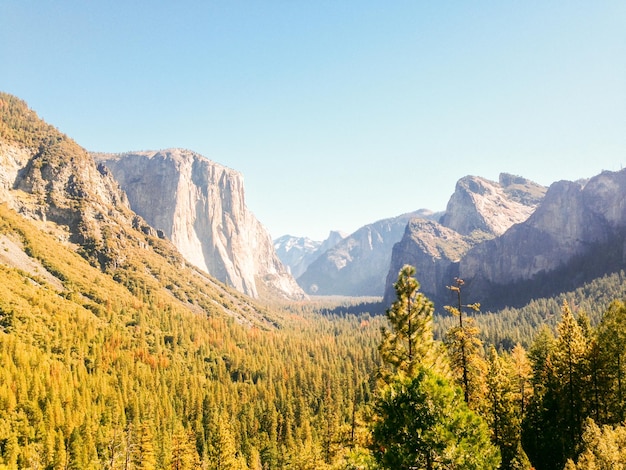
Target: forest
(114, 354)
(119, 374)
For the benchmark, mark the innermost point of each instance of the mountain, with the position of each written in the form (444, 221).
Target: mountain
(117, 353)
(47, 177)
(59, 189)
(479, 205)
(297, 253)
(478, 210)
(576, 234)
(200, 206)
(358, 264)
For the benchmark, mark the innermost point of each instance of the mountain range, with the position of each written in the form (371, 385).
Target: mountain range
(357, 265)
(511, 239)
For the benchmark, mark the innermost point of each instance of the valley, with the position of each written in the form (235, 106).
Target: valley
(147, 320)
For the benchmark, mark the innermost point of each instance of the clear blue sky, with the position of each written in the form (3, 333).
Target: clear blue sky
(338, 113)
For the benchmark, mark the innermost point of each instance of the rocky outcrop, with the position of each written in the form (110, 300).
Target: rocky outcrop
(577, 233)
(297, 253)
(478, 210)
(358, 264)
(435, 252)
(49, 178)
(479, 205)
(200, 206)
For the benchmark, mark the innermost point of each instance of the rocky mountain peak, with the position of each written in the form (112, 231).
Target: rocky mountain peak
(297, 253)
(479, 205)
(200, 205)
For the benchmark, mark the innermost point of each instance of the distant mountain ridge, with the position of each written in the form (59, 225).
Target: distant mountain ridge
(576, 234)
(297, 253)
(200, 206)
(357, 265)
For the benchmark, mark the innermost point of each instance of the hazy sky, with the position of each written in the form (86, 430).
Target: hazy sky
(338, 113)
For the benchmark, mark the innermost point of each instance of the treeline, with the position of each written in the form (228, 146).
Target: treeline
(148, 371)
(559, 404)
(509, 326)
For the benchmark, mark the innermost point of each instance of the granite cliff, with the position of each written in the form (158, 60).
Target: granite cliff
(358, 264)
(200, 206)
(478, 210)
(577, 233)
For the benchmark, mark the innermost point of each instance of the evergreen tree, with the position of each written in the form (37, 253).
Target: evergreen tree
(554, 425)
(541, 428)
(144, 456)
(521, 379)
(502, 412)
(423, 422)
(611, 339)
(603, 448)
(569, 364)
(222, 447)
(184, 455)
(409, 343)
(466, 350)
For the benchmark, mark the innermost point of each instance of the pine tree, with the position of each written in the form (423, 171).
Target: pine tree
(466, 350)
(603, 448)
(541, 432)
(521, 378)
(421, 421)
(502, 412)
(611, 338)
(569, 362)
(144, 456)
(222, 448)
(184, 455)
(409, 343)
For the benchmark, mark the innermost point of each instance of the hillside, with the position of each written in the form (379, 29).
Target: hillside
(115, 353)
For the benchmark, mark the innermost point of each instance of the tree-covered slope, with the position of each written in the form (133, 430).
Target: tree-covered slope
(114, 353)
(97, 371)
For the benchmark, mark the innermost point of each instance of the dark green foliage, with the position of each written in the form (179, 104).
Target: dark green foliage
(576, 376)
(507, 327)
(423, 422)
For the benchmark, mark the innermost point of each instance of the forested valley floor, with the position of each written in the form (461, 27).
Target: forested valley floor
(143, 369)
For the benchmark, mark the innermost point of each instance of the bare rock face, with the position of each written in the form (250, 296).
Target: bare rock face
(480, 205)
(478, 210)
(200, 207)
(359, 263)
(434, 250)
(578, 231)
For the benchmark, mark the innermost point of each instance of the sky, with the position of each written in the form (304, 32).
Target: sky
(337, 113)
